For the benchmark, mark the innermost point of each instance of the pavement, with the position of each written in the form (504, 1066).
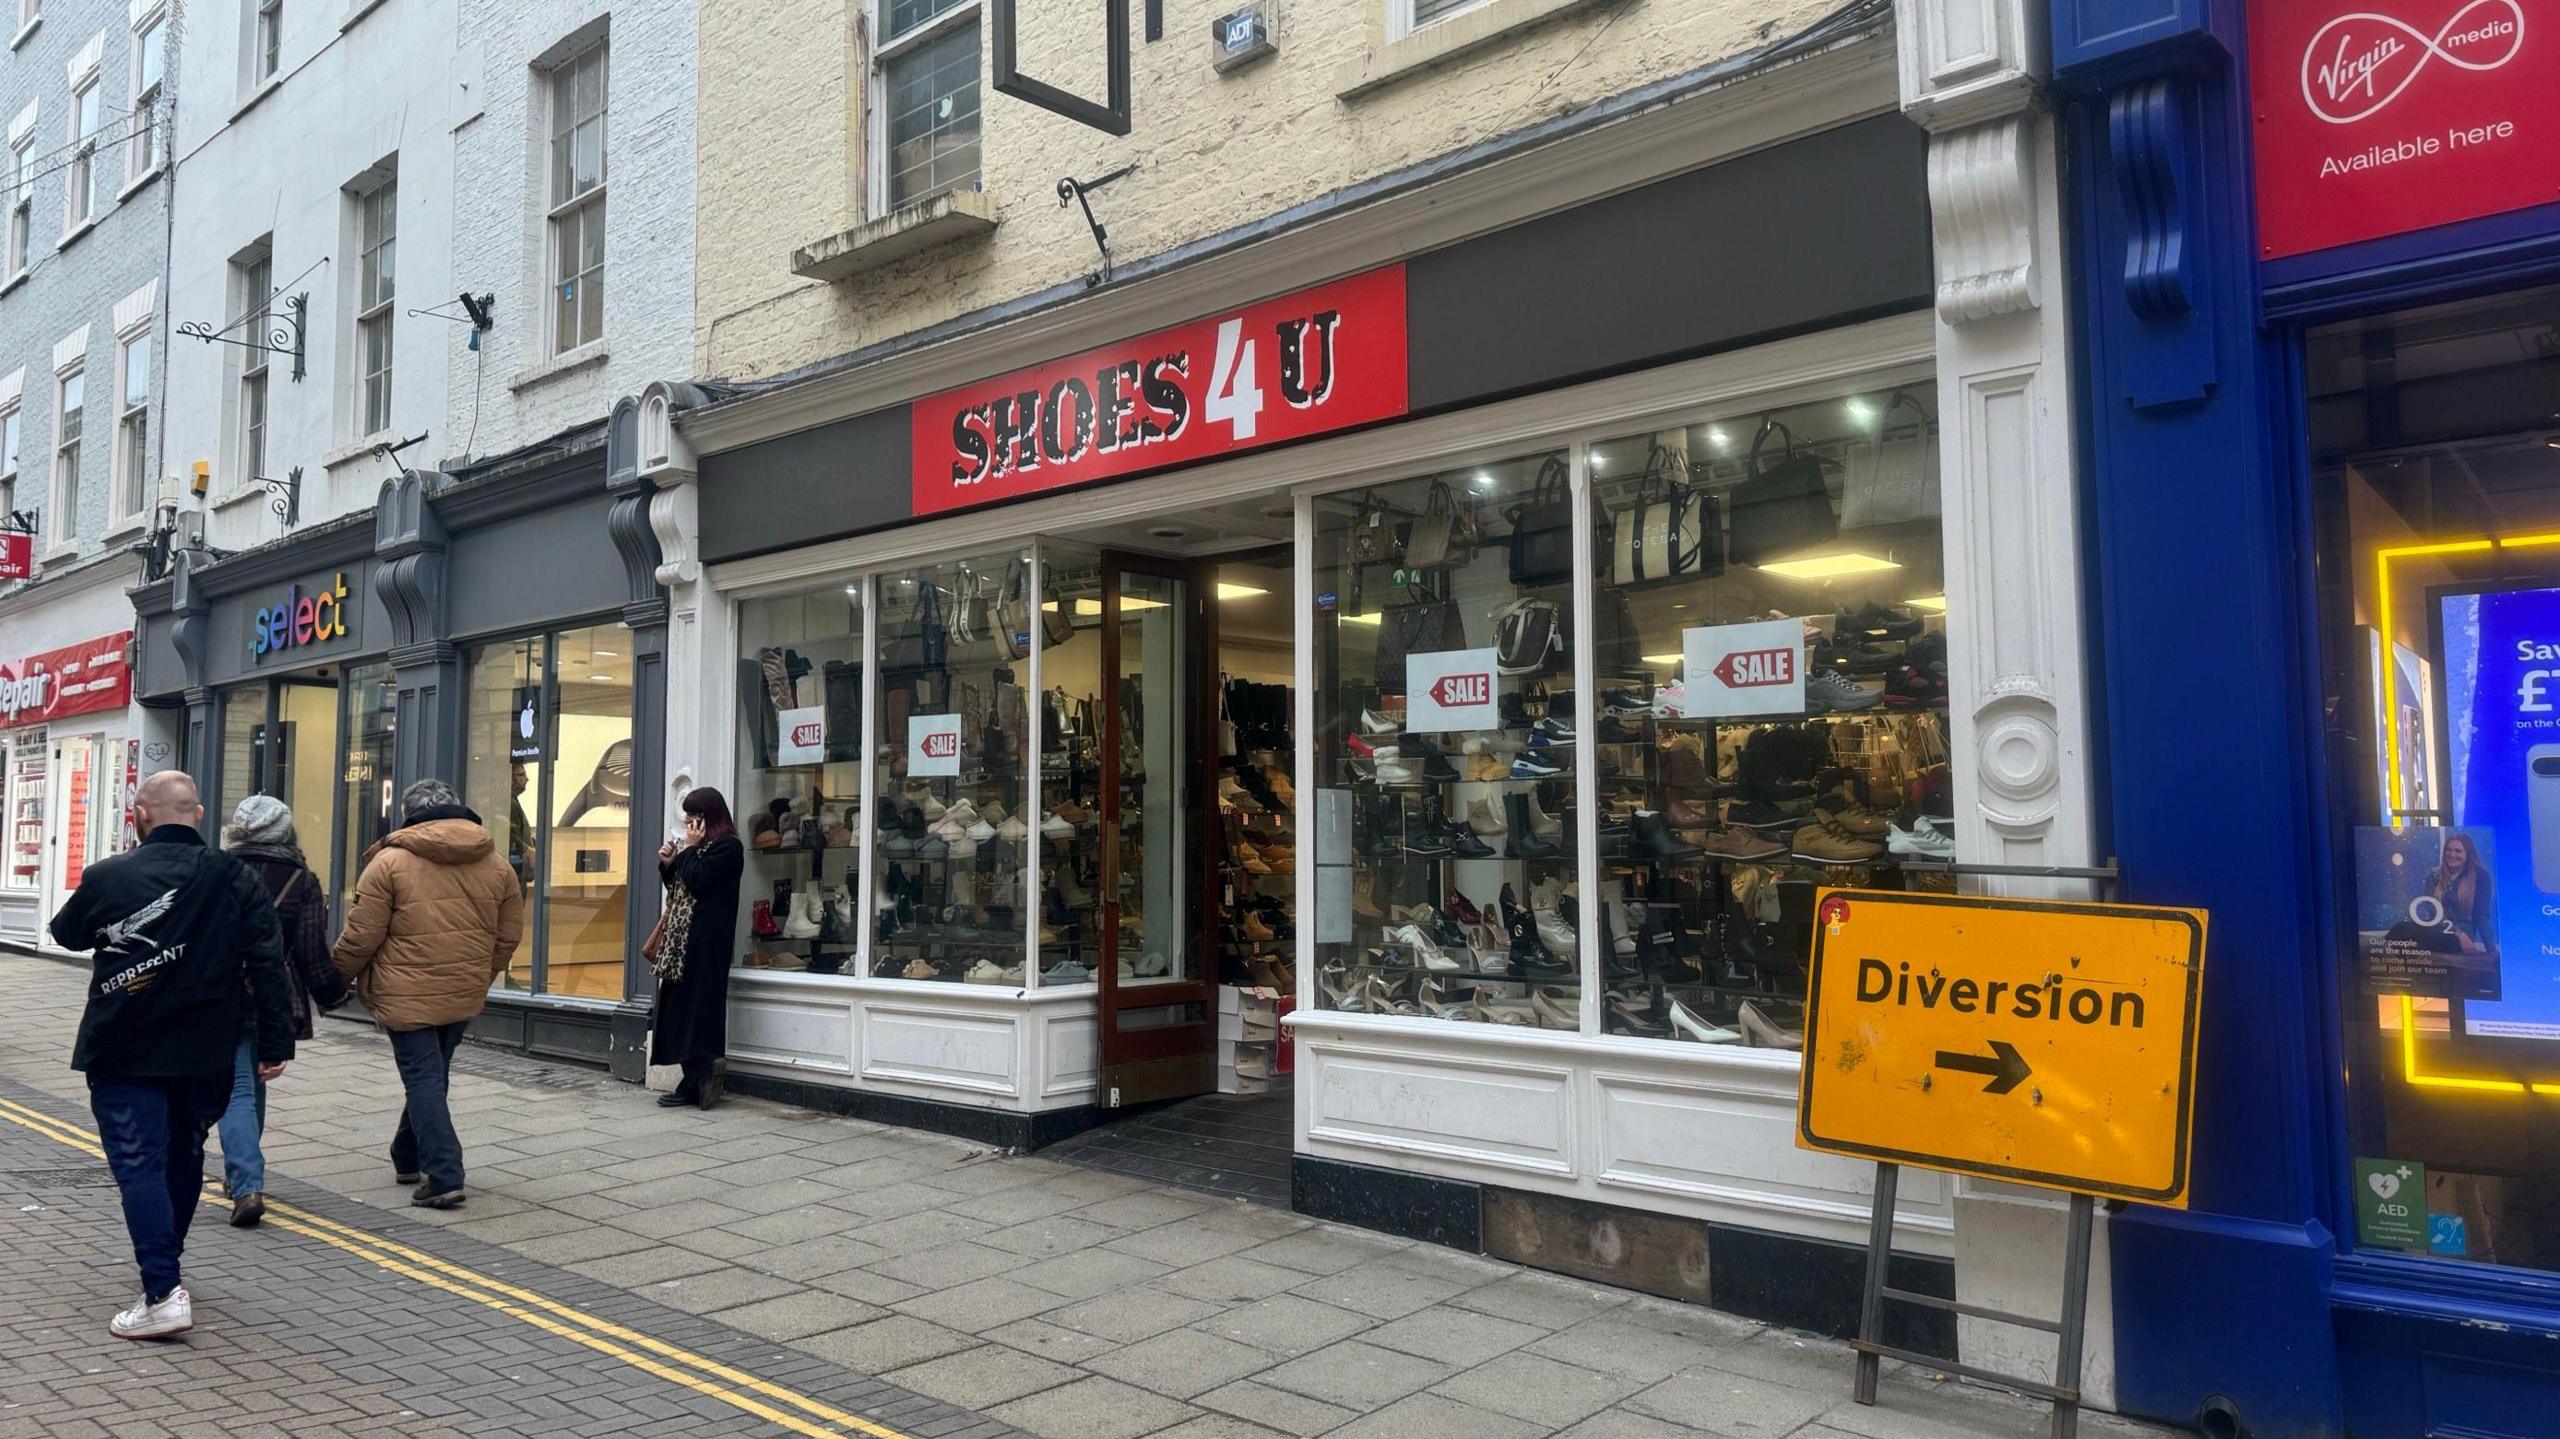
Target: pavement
(763, 1270)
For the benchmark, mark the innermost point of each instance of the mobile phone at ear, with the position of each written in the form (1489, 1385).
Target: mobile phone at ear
(2542, 810)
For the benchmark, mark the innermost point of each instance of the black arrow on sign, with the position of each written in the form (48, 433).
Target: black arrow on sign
(2004, 1064)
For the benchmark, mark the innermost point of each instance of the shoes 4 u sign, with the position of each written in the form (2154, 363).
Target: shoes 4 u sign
(1306, 364)
(74, 680)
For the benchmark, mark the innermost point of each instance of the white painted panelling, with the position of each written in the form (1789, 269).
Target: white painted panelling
(1508, 1117)
(1071, 1053)
(788, 1029)
(1733, 1144)
(947, 1048)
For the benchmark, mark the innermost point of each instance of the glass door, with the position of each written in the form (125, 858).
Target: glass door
(79, 836)
(302, 761)
(1159, 1018)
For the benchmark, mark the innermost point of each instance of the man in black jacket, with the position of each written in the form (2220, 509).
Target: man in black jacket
(180, 937)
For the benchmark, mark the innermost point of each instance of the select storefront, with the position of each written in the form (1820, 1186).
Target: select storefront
(68, 747)
(1441, 712)
(2328, 495)
(479, 628)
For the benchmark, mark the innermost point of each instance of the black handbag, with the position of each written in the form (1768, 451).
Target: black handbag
(924, 644)
(1013, 615)
(1782, 506)
(1420, 626)
(1542, 528)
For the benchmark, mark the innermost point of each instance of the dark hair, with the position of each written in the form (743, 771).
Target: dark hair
(713, 809)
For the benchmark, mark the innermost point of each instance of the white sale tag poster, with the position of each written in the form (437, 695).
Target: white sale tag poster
(933, 746)
(1447, 690)
(804, 736)
(1750, 669)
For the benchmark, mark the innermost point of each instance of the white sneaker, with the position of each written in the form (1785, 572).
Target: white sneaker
(985, 971)
(1056, 828)
(1924, 840)
(981, 831)
(167, 1319)
(1395, 769)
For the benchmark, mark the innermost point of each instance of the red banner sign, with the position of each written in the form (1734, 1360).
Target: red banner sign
(2377, 117)
(17, 555)
(57, 684)
(1305, 364)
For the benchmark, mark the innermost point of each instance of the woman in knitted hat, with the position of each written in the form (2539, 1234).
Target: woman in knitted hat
(261, 836)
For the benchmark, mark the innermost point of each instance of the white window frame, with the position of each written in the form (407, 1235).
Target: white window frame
(373, 313)
(884, 53)
(12, 456)
(255, 309)
(579, 208)
(131, 467)
(266, 40)
(63, 514)
(17, 245)
(29, 11)
(80, 191)
(1404, 18)
(143, 154)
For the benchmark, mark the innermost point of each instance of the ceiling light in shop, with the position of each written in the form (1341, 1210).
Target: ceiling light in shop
(1717, 437)
(1664, 659)
(605, 655)
(1230, 590)
(1597, 463)
(1483, 481)
(600, 679)
(1861, 412)
(1829, 567)
(1934, 604)
(1371, 618)
(1090, 609)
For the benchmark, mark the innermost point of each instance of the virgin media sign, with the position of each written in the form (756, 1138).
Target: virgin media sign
(1305, 364)
(2376, 117)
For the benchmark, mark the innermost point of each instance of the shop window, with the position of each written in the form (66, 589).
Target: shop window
(577, 198)
(548, 766)
(367, 807)
(2436, 496)
(242, 749)
(22, 866)
(1072, 722)
(951, 832)
(925, 69)
(799, 801)
(20, 196)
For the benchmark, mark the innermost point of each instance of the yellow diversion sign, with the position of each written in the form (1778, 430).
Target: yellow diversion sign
(2041, 1042)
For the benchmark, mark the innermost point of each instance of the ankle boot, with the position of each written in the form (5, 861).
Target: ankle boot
(1653, 839)
(1525, 842)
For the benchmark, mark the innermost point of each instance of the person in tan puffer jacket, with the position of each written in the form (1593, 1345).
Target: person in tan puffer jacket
(436, 917)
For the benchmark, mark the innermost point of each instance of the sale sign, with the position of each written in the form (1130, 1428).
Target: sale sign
(803, 736)
(2377, 117)
(1450, 690)
(933, 746)
(1748, 669)
(1305, 364)
(75, 680)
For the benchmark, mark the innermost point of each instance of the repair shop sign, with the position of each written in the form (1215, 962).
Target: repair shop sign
(74, 680)
(2378, 117)
(1746, 669)
(1305, 364)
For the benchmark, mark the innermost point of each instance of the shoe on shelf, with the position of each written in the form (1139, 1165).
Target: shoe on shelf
(1827, 691)
(1689, 1026)
(1486, 768)
(1395, 769)
(1484, 819)
(920, 968)
(174, 1315)
(1067, 973)
(1375, 724)
(1557, 934)
(1551, 731)
(1927, 838)
(1776, 815)
(1056, 827)
(1652, 838)
(1852, 817)
(1467, 844)
(1525, 767)
(1741, 842)
(1825, 842)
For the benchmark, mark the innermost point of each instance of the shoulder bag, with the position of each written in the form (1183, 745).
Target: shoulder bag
(1782, 505)
(1894, 480)
(923, 644)
(1446, 534)
(1542, 528)
(1373, 534)
(1418, 626)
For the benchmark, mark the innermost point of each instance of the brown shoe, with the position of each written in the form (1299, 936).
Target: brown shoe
(1857, 821)
(1737, 842)
(1824, 842)
(247, 1210)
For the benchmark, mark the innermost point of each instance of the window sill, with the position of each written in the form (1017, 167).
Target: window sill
(58, 555)
(946, 219)
(585, 357)
(14, 281)
(1387, 62)
(258, 92)
(126, 530)
(72, 235)
(357, 12)
(228, 498)
(354, 450)
(137, 183)
(26, 32)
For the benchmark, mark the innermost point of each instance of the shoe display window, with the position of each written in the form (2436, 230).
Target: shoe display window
(1769, 631)
(1444, 611)
(799, 801)
(953, 645)
(1071, 737)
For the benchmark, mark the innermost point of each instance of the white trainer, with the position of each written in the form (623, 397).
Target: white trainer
(167, 1319)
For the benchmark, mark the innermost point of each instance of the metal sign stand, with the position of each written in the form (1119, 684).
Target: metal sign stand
(2068, 1329)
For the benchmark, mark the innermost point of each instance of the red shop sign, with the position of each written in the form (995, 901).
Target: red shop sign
(17, 555)
(1305, 364)
(75, 680)
(2377, 117)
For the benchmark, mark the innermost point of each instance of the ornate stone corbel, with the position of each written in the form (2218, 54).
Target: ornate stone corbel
(409, 543)
(1982, 219)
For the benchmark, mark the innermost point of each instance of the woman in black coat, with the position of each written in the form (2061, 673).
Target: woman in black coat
(693, 989)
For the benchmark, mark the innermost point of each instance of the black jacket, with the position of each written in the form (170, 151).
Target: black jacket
(180, 938)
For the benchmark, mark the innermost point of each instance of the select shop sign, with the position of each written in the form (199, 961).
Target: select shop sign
(1306, 364)
(304, 615)
(2378, 117)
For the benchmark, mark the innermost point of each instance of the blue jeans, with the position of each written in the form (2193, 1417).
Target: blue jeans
(153, 1129)
(244, 1165)
(425, 1143)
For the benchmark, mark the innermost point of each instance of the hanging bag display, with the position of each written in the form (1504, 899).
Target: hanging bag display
(1418, 626)
(1373, 534)
(1895, 480)
(1542, 528)
(1782, 505)
(923, 644)
(1446, 534)
(1526, 632)
(1673, 531)
(1013, 616)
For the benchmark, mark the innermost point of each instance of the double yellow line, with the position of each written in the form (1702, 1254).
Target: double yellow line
(731, 1386)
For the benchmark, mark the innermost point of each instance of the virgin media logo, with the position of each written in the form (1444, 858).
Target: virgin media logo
(2357, 64)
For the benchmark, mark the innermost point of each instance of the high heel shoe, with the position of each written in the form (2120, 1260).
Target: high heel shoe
(1689, 1026)
(1555, 1011)
(1425, 950)
(1760, 1031)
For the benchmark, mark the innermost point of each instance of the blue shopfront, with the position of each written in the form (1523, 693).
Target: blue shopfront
(2317, 269)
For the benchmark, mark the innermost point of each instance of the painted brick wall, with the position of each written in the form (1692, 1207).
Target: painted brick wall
(516, 391)
(68, 285)
(781, 166)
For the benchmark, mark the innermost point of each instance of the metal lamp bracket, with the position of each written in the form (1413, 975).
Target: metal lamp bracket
(281, 335)
(1072, 189)
(1111, 118)
(285, 496)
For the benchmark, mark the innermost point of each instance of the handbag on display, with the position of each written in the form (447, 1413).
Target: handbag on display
(924, 644)
(1781, 506)
(1373, 534)
(1446, 534)
(1895, 480)
(1420, 626)
(1542, 528)
(1013, 615)
(1673, 531)
(1525, 632)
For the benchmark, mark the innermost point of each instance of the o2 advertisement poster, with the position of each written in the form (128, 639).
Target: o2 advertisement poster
(2501, 677)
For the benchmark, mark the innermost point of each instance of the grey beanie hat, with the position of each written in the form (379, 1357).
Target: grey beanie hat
(260, 819)
(426, 794)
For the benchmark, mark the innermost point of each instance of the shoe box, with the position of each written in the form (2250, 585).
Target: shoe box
(1254, 1049)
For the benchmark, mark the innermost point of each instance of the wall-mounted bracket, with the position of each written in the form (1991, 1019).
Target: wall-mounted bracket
(275, 332)
(1072, 189)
